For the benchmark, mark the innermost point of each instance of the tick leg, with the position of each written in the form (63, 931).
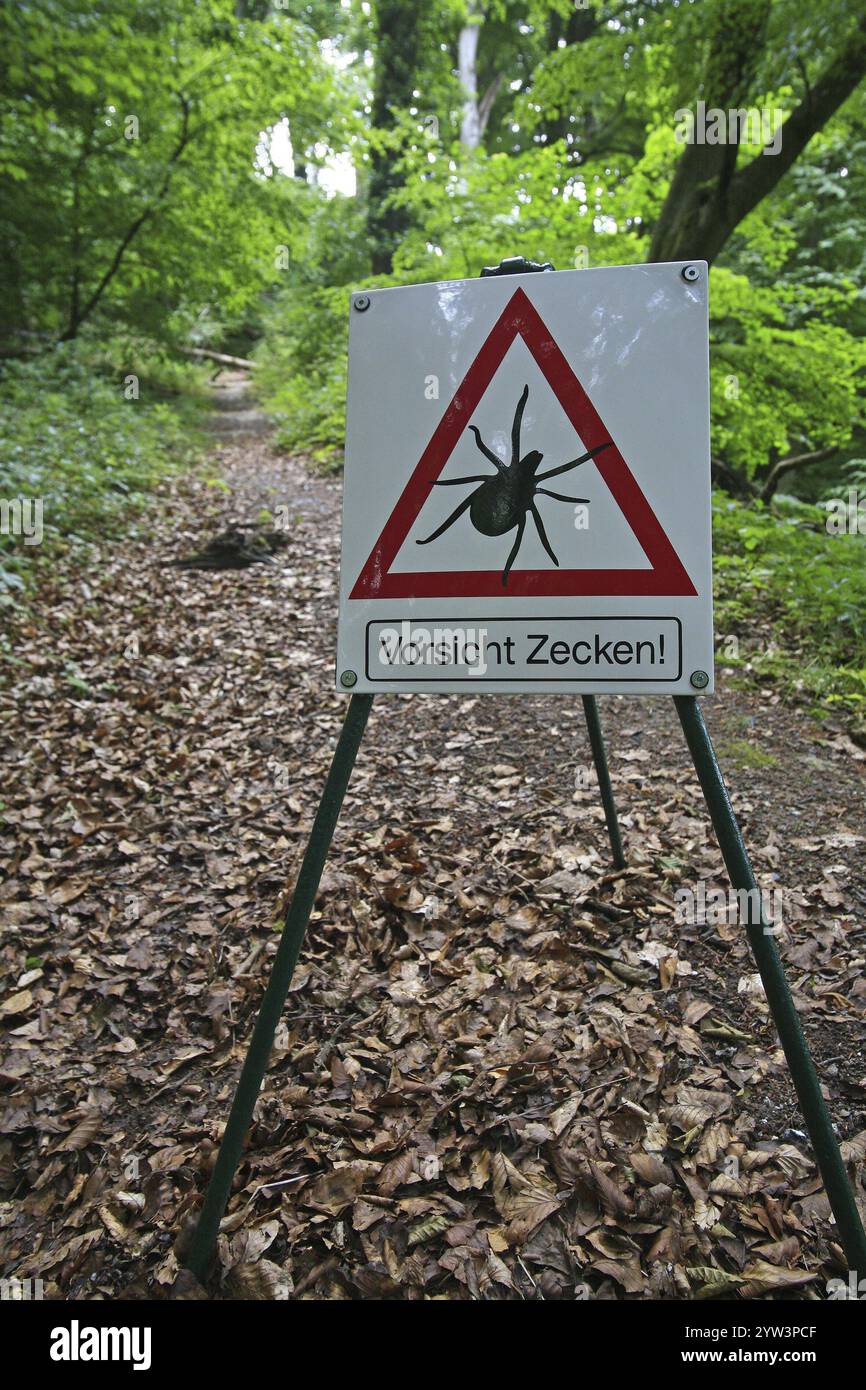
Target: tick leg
(515, 428)
(488, 453)
(560, 496)
(514, 549)
(475, 478)
(564, 467)
(449, 521)
(542, 533)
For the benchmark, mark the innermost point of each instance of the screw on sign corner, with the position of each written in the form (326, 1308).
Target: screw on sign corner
(690, 273)
(699, 679)
(348, 679)
(361, 302)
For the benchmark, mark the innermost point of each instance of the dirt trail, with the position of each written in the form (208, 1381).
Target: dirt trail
(504, 1072)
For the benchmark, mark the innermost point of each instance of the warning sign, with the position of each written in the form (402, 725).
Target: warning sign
(527, 493)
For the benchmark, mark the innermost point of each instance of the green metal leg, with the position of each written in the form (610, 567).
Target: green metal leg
(252, 1075)
(599, 757)
(832, 1168)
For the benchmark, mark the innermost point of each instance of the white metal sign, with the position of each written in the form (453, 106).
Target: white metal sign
(527, 485)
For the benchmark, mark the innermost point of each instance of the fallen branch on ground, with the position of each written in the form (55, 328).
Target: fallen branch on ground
(223, 358)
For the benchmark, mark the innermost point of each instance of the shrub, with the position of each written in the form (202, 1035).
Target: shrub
(779, 571)
(70, 438)
(301, 377)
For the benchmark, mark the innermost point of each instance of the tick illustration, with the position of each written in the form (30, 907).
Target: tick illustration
(506, 497)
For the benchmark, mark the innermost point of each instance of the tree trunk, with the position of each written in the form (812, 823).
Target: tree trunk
(397, 30)
(580, 26)
(476, 113)
(709, 197)
(467, 56)
(79, 315)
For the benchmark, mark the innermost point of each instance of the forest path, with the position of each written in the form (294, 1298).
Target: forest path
(235, 410)
(503, 1070)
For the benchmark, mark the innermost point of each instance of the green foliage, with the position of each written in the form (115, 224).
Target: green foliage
(784, 379)
(470, 210)
(779, 571)
(742, 753)
(141, 206)
(854, 476)
(162, 372)
(302, 369)
(128, 135)
(70, 439)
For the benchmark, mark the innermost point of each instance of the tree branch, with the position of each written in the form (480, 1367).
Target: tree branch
(135, 227)
(771, 482)
(224, 358)
(833, 87)
(738, 483)
(485, 105)
(708, 197)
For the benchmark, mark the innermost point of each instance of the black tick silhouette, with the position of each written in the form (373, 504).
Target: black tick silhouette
(507, 497)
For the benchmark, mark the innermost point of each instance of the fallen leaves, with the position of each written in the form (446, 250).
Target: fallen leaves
(83, 1134)
(523, 1203)
(502, 1072)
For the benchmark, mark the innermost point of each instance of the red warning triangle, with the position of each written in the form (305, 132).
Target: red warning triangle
(667, 575)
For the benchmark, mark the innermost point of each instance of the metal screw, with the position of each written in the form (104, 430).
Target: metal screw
(690, 273)
(699, 679)
(361, 302)
(348, 679)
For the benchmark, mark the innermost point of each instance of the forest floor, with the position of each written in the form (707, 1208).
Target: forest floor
(504, 1071)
